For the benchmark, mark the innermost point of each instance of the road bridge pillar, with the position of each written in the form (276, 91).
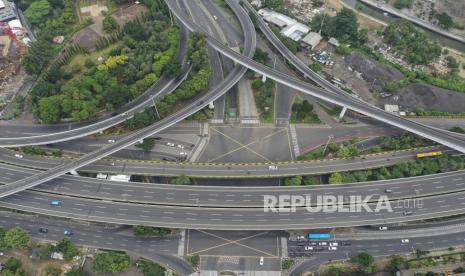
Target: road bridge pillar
(73, 172)
(343, 112)
(263, 78)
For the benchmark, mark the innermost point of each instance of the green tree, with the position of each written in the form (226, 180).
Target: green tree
(151, 269)
(335, 178)
(49, 110)
(110, 24)
(400, 4)
(316, 66)
(311, 180)
(110, 261)
(457, 129)
(444, 20)
(52, 271)
(366, 263)
(67, 248)
(36, 12)
(17, 238)
(76, 272)
(293, 181)
(182, 180)
(395, 263)
(141, 230)
(193, 260)
(172, 69)
(147, 144)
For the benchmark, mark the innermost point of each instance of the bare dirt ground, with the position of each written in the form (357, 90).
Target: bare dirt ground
(32, 267)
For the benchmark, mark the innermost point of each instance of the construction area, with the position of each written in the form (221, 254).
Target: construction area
(14, 39)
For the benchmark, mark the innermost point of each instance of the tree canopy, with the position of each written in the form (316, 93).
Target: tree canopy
(110, 262)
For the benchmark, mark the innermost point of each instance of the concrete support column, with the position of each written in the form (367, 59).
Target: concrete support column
(343, 112)
(263, 78)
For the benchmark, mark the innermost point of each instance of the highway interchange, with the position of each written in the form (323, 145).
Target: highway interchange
(30, 184)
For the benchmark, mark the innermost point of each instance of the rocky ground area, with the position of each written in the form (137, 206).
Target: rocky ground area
(411, 97)
(427, 97)
(373, 72)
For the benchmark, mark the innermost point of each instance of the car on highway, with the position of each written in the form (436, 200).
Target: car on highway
(322, 243)
(383, 228)
(332, 248)
(404, 241)
(157, 138)
(345, 243)
(262, 260)
(55, 203)
(308, 248)
(180, 146)
(20, 156)
(68, 232)
(272, 167)
(215, 17)
(388, 191)
(182, 153)
(407, 213)
(170, 144)
(43, 230)
(124, 114)
(333, 244)
(111, 141)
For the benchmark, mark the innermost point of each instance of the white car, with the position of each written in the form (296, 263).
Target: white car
(180, 146)
(308, 248)
(170, 144)
(404, 241)
(262, 260)
(333, 244)
(322, 243)
(20, 156)
(383, 228)
(123, 114)
(215, 17)
(111, 141)
(332, 248)
(272, 167)
(182, 153)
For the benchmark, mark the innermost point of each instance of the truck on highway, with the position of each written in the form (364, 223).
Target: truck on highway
(319, 236)
(429, 154)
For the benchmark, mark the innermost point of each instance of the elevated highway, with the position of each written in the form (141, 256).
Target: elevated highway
(329, 96)
(223, 170)
(195, 105)
(221, 218)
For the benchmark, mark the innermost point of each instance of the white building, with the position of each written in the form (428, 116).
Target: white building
(290, 27)
(392, 108)
(311, 40)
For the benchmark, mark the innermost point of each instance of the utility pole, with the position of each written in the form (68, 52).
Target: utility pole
(155, 105)
(327, 143)
(324, 16)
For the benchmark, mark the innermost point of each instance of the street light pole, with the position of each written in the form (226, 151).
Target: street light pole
(155, 105)
(327, 143)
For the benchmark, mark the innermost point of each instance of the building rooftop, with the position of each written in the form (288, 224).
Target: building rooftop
(291, 27)
(7, 11)
(312, 39)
